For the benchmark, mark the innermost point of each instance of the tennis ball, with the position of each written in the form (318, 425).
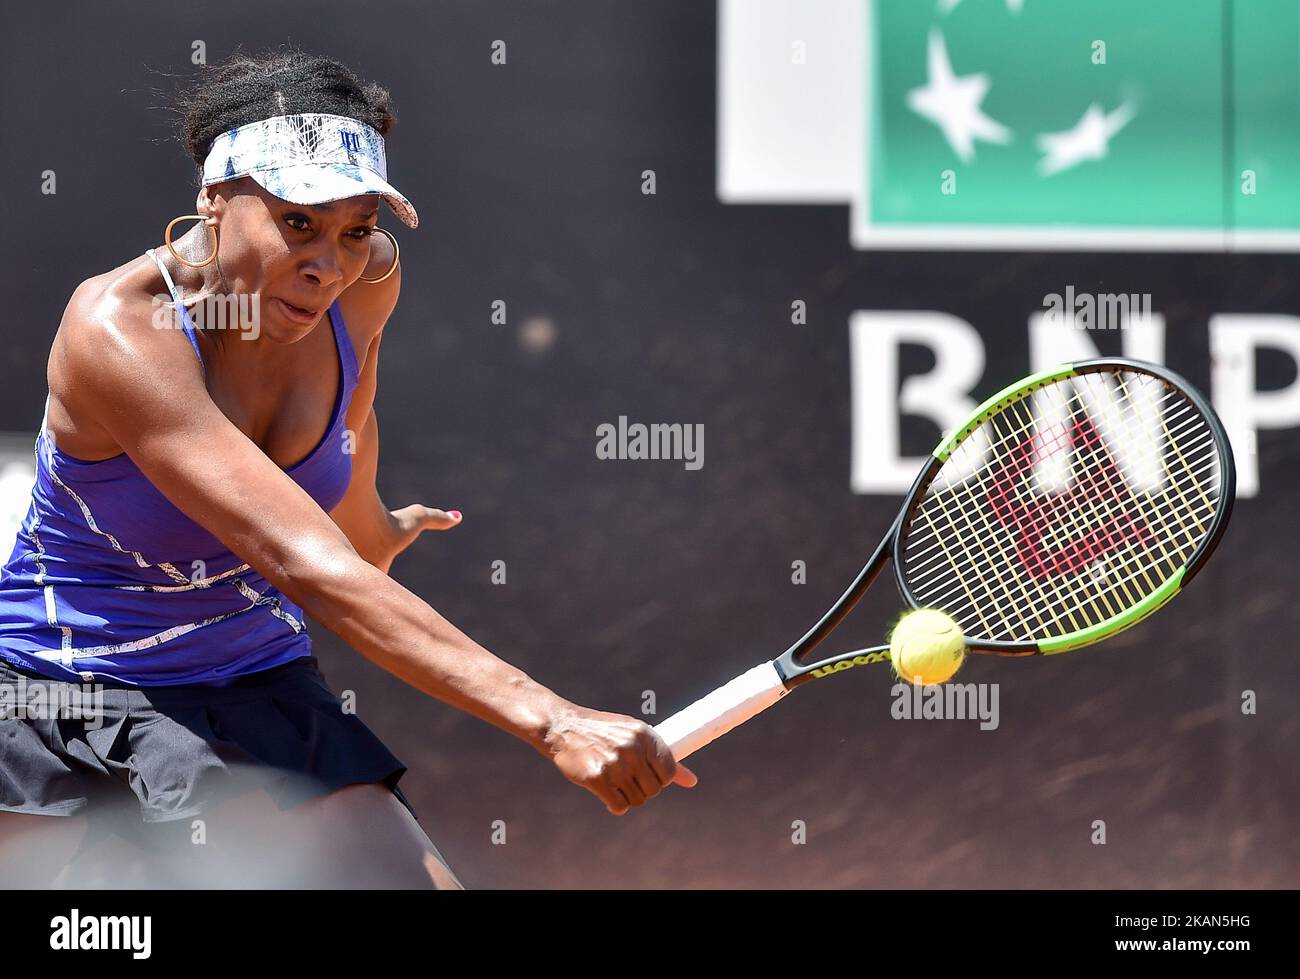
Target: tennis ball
(927, 646)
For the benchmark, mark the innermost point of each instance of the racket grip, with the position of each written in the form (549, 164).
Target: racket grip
(717, 713)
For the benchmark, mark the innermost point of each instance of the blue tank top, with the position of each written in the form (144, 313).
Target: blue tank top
(108, 580)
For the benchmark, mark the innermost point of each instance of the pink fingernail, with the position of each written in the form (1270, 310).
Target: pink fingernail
(454, 513)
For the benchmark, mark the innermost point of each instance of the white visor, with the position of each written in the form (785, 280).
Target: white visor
(310, 158)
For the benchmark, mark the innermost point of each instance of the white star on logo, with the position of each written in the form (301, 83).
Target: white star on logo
(1088, 140)
(1015, 6)
(953, 103)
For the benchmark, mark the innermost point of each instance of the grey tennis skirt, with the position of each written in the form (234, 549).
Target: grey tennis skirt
(182, 749)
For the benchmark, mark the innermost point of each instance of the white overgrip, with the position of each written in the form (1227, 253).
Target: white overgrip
(717, 713)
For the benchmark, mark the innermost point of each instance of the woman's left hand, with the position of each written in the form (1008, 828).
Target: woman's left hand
(409, 522)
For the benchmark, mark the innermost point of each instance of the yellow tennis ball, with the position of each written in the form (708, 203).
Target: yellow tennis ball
(927, 646)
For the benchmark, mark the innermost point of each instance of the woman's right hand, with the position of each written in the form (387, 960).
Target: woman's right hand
(619, 759)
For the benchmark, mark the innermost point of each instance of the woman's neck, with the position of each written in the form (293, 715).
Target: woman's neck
(228, 322)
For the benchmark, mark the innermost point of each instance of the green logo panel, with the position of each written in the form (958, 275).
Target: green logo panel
(1101, 115)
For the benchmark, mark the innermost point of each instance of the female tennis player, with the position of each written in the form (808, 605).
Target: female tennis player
(199, 489)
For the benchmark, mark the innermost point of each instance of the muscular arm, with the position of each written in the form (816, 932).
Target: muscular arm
(377, 534)
(146, 390)
(361, 514)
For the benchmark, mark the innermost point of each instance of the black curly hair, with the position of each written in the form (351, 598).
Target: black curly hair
(247, 87)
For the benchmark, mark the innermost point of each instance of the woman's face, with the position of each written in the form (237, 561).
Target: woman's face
(284, 253)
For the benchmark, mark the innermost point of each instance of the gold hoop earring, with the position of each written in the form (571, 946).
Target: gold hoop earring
(397, 257)
(167, 236)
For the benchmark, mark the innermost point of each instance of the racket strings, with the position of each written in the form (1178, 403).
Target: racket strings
(1009, 593)
(1122, 582)
(1013, 599)
(1065, 508)
(924, 559)
(1090, 481)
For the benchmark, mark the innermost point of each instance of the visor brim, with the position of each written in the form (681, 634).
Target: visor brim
(314, 183)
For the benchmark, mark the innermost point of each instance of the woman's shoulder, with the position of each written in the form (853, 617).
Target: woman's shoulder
(113, 312)
(122, 294)
(109, 329)
(129, 281)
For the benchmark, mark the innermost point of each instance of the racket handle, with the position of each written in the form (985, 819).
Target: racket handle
(717, 713)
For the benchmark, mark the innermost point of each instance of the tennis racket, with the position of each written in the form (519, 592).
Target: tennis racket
(1070, 506)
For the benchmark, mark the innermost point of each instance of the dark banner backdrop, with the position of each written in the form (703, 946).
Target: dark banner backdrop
(624, 577)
